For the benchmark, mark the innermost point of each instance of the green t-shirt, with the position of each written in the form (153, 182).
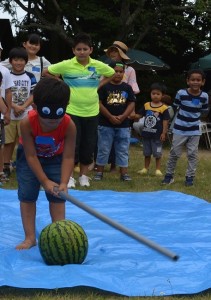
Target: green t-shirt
(83, 82)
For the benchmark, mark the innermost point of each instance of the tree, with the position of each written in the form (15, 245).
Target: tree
(176, 30)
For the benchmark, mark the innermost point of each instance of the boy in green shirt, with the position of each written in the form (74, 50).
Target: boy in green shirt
(83, 74)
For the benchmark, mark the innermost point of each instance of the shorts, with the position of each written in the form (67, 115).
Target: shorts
(2, 133)
(28, 184)
(152, 147)
(12, 131)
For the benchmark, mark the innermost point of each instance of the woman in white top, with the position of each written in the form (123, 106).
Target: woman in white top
(35, 63)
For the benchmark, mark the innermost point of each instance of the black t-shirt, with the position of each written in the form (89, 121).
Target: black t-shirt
(115, 98)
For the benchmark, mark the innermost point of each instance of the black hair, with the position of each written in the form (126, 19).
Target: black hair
(84, 38)
(51, 90)
(159, 86)
(196, 71)
(1, 77)
(33, 38)
(18, 52)
(114, 63)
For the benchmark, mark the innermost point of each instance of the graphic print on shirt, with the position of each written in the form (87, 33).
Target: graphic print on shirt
(151, 120)
(46, 146)
(117, 98)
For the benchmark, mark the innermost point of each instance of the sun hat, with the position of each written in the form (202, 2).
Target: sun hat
(1, 46)
(121, 47)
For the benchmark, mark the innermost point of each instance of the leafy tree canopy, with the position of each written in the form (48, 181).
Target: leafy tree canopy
(177, 31)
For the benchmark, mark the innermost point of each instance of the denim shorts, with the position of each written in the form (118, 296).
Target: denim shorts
(121, 139)
(28, 184)
(152, 147)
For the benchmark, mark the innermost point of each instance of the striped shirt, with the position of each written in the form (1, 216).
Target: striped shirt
(189, 109)
(83, 82)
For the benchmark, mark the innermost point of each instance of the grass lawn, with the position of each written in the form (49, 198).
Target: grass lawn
(201, 189)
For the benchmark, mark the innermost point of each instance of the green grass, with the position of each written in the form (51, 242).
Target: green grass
(201, 189)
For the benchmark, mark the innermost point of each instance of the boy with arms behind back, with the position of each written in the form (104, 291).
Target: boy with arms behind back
(190, 104)
(45, 155)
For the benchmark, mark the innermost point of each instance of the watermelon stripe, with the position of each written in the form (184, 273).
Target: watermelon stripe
(63, 242)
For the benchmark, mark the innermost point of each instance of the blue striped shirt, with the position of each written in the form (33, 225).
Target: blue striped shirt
(189, 109)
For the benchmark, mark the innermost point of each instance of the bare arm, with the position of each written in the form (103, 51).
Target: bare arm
(45, 73)
(8, 99)
(105, 80)
(3, 107)
(165, 130)
(127, 112)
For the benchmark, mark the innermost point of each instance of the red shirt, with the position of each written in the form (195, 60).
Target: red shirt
(51, 143)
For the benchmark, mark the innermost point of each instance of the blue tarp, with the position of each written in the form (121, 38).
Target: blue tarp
(115, 262)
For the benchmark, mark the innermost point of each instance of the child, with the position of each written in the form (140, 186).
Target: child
(82, 74)
(118, 52)
(155, 127)
(3, 110)
(35, 63)
(190, 104)
(22, 99)
(45, 155)
(117, 101)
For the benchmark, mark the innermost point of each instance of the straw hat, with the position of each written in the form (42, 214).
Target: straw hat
(121, 47)
(1, 48)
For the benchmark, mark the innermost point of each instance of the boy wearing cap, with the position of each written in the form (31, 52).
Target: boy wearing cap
(117, 101)
(83, 74)
(45, 155)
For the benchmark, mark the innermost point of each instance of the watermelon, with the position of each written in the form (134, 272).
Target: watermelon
(63, 242)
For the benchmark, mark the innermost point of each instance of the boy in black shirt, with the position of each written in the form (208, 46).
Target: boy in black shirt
(117, 101)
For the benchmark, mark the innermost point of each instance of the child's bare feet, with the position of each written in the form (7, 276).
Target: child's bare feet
(27, 244)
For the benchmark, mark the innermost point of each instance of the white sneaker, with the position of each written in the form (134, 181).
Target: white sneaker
(71, 183)
(84, 180)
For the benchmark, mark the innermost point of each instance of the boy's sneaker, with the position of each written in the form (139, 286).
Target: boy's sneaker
(71, 183)
(144, 171)
(98, 176)
(158, 173)
(84, 180)
(168, 179)
(125, 177)
(189, 181)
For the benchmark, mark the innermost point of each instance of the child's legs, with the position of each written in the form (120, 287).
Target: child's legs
(121, 144)
(157, 150)
(147, 152)
(87, 142)
(28, 214)
(28, 190)
(2, 140)
(192, 154)
(105, 141)
(57, 211)
(12, 131)
(176, 151)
